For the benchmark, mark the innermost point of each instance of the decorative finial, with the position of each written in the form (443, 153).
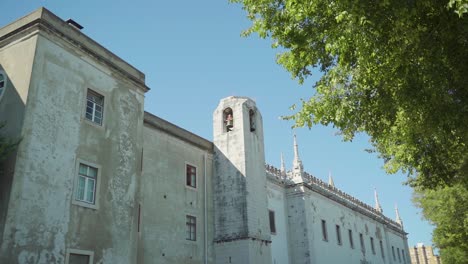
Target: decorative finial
(283, 167)
(398, 218)
(298, 169)
(330, 179)
(377, 203)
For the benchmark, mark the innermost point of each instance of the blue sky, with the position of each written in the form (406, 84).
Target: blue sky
(193, 55)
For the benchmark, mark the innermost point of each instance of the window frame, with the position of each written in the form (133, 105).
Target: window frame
(324, 230)
(351, 241)
(5, 83)
(271, 219)
(338, 235)
(194, 187)
(79, 252)
(372, 245)
(393, 253)
(361, 240)
(399, 255)
(190, 228)
(98, 93)
(382, 249)
(97, 184)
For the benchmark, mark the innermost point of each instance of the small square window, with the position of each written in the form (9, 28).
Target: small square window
(191, 176)
(94, 107)
(271, 215)
(191, 225)
(86, 184)
(76, 256)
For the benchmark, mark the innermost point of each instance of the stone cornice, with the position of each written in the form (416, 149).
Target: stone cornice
(42, 20)
(318, 186)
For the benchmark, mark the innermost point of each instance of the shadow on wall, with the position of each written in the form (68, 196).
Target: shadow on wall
(12, 110)
(230, 200)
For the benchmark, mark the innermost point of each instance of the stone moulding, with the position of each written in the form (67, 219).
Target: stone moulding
(317, 185)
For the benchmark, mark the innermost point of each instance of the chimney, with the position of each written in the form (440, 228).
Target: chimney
(74, 24)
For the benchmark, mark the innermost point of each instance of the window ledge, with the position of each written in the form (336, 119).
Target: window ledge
(84, 204)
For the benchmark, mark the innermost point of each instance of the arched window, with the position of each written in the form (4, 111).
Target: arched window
(228, 118)
(252, 120)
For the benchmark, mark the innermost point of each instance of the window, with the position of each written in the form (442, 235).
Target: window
(350, 234)
(271, 215)
(338, 235)
(403, 256)
(191, 176)
(324, 230)
(381, 249)
(228, 118)
(191, 224)
(76, 256)
(372, 245)
(2, 83)
(86, 184)
(361, 239)
(393, 253)
(398, 252)
(94, 107)
(252, 120)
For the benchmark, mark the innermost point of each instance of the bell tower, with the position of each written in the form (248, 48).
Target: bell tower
(242, 233)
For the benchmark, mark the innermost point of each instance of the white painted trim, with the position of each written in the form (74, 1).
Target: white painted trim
(84, 103)
(196, 177)
(79, 252)
(97, 187)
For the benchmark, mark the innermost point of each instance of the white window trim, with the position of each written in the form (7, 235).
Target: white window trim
(97, 184)
(196, 229)
(79, 252)
(197, 183)
(5, 84)
(104, 110)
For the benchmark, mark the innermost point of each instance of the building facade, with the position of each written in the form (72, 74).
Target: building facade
(421, 254)
(96, 179)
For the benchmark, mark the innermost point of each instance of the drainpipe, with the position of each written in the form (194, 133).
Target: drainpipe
(205, 209)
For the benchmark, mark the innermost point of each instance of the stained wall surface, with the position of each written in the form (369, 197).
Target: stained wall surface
(166, 199)
(43, 221)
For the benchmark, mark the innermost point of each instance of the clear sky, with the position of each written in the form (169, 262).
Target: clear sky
(193, 55)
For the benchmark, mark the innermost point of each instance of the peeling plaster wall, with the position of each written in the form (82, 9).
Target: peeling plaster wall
(279, 240)
(42, 222)
(314, 208)
(16, 60)
(166, 200)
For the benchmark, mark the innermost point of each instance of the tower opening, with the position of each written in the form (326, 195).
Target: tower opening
(252, 120)
(228, 118)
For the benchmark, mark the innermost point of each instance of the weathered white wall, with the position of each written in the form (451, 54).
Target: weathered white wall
(42, 222)
(316, 207)
(16, 60)
(166, 200)
(279, 240)
(241, 214)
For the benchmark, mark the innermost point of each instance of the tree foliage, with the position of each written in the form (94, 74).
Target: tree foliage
(396, 70)
(447, 208)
